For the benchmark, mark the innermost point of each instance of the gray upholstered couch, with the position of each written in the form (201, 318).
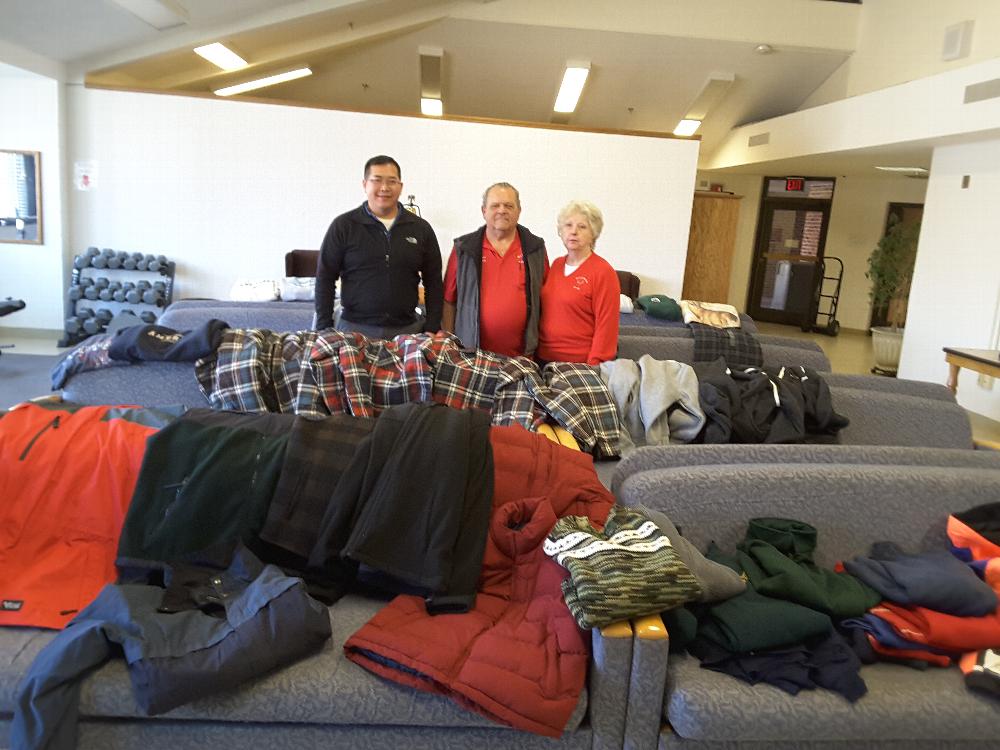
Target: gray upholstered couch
(854, 496)
(324, 701)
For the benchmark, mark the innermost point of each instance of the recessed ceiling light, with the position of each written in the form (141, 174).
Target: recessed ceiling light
(763, 49)
(258, 83)
(571, 87)
(687, 127)
(431, 107)
(221, 56)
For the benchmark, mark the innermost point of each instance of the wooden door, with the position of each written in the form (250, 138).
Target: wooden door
(710, 246)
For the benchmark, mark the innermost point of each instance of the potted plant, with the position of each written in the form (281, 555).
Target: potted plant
(890, 270)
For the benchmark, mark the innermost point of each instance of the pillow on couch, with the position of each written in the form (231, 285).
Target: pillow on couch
(298, 288)
(254, 290)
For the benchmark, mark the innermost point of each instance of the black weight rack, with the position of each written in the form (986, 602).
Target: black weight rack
(826, 289)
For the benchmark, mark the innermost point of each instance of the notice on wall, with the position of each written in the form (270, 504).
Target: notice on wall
(85, 175)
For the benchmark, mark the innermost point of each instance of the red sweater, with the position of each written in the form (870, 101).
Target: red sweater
(518, 656)
(579, 320)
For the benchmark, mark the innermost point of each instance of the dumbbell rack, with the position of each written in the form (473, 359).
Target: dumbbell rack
(85, 276)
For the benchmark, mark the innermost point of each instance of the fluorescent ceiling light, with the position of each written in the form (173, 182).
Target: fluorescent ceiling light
(220, 55)
(915, 171)
(711, 94)
(687, 127)
(260, 83)
(160, 14)
(431, 107)
(572, 86)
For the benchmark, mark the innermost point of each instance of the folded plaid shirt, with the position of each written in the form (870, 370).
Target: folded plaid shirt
(467, 378)
(581, 402)
(738, 347)
(574, 395)
(238, 376)
(361, 376)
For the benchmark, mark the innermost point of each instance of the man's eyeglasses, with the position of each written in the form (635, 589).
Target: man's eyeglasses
(391, 182)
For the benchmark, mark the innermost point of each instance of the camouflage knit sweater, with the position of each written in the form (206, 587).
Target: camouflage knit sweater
(626, 570)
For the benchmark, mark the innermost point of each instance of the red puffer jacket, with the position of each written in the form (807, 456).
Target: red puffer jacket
(66, 480)
(517, 657)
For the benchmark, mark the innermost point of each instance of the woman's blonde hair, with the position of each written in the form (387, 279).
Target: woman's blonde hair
(588, 211)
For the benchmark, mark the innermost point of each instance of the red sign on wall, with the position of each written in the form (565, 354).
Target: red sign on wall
(794, 184)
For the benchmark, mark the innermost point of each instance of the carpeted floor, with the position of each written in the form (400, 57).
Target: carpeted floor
(24, 376)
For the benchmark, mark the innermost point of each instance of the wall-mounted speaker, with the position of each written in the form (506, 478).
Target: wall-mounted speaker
(957, 41)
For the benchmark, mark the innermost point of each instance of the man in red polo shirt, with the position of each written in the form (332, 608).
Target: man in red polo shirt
(492, 286)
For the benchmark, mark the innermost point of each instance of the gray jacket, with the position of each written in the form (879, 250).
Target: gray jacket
(469, 272)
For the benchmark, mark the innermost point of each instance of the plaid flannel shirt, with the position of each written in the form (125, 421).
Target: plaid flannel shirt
(581, 402)
(571, 394)
(238, 376)
(467, 378)
(360, 376)
(739, 348)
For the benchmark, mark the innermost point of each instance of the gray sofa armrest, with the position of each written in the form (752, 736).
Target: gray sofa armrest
(610, 668)
(650, 652)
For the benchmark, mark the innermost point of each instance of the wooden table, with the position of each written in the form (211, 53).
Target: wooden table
(985, 361)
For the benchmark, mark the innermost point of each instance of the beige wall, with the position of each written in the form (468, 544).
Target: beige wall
(900, 40)
(857, 220)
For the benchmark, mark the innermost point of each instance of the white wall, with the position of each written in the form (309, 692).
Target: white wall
(956, 284)
(226, 188)
(857, 220)
(34, 273)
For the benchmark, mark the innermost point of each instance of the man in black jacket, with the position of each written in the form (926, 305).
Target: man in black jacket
(381, 253)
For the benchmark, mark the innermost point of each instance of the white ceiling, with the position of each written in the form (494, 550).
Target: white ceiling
(364, 56)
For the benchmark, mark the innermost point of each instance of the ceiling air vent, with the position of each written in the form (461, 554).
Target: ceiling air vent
(761, 139)
(978, 92)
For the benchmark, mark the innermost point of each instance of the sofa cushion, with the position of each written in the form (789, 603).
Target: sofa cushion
(901, 703)
(322, 689)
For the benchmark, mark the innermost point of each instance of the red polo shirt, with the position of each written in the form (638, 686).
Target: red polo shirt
(503, 306)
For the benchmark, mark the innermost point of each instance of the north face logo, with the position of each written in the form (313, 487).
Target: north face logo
(12, 605)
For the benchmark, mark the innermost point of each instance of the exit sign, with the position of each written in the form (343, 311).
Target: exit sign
(794, 184)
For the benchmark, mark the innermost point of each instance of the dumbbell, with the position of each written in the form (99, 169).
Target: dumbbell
(128, 262)
(143, 264)
(158, 263)
(85, 281)
(122, 292)
(92, 325)
(108, 293)
(84, 313)
(104, 315)
(117, 259)
(133, 295)
(73, 324)
(147, 316)
(153, 297)
(99, 261)
(91, 292)
(102, 282)
(81, 261)
(74, 293)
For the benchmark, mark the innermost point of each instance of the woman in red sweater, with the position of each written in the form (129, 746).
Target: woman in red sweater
(580, 297)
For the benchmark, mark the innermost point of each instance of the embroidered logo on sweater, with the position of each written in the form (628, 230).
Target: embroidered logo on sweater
(412, 240)
(12, 605)
(579, 282)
